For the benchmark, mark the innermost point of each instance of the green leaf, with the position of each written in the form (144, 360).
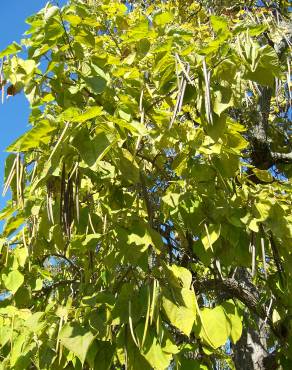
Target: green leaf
(96, 81)
(152, 350)
(13, 48)
(54, 30)
(210, 234)
(21, 254)
(263, 175)
(187, 364)
(267, 61)
(95, 84)
(223, 100)
(171, 199)
(5, 335)
(76, 339)
(133, 126)
(162, 18)
(34, 322)
(234, 319)
(219, 23)
(12, 224)
(179, 276)
(180, 308)
(128, 166)
(263, 208)
(104, 355)
(91, 149)
(13, 280)
(69, 114)
(40, 134)
(216, 327)
(88, 114)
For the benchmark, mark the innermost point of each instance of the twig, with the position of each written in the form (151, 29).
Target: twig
(71, 263)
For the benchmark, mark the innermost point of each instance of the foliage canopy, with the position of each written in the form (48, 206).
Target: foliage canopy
(150, 214)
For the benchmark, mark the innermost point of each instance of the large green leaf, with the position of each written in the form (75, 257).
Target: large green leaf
(216, 327)
(88, 114)
(40, 134)
(13, 48)
(77, 339)
(210, 234)
(235, 320)
(152, 350)
(13, 280)
(91, 149)
(179, 306)
(103, 354)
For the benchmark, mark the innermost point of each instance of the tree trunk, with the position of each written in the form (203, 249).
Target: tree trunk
(250, 352)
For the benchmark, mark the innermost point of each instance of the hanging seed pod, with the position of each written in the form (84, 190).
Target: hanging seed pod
(10, 177)
(253, 255)
(77, 184)
(207, 76)
(264, 257)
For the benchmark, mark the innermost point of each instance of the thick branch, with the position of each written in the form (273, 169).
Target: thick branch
(261, 154)
(234, 289)
(281, 157)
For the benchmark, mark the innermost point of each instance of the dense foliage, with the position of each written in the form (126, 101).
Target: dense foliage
(149, 225)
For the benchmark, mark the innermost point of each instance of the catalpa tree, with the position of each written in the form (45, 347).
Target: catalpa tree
(149, 222)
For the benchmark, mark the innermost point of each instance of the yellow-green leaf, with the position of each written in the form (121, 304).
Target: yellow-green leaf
(76, 339)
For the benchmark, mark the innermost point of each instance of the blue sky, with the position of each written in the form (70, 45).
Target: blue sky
(15, 111)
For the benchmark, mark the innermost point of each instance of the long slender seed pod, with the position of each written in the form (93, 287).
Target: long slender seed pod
(104, 224)
(73, 171)
(9, 178)
(142, 119)
(186, 71)
(177, 103)
(62, 194)
(208, 237)
(264, 257)
(253, 256)
(48, 208)
(59, 140)
(91, 224)
(153, 301)
(268, 310)
(147, 318)
(50, 199)
(131, 325)
(183, 91)
(34, 172)
(289, 82)
(17, 177)
(207, 75)
(77, 196)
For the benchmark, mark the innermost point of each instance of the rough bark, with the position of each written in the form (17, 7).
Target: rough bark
(251, 350)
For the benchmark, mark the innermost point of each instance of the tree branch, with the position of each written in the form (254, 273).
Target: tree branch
(281, 157)
(71, 263)
(46, 289)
